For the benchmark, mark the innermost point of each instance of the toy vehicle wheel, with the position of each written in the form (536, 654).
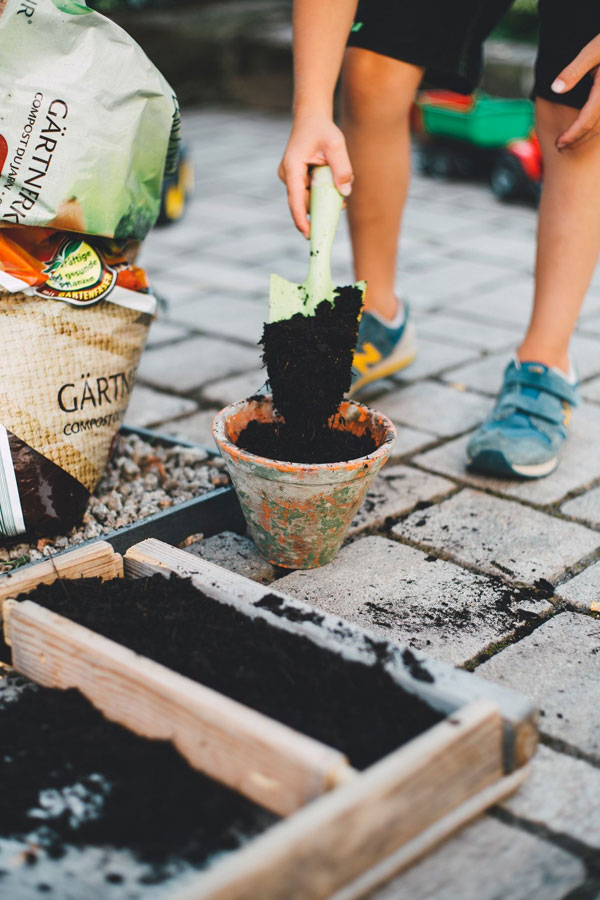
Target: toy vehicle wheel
(436, 161)
(507, 179)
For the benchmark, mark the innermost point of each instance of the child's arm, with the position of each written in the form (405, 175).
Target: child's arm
(320, 33)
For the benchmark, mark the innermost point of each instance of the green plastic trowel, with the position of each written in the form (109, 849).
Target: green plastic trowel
(286, 298)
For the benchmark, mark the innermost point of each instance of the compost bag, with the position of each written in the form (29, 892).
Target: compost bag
(88, 127)
(87, 123)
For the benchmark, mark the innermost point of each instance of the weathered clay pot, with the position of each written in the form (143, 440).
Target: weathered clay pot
(297, 514)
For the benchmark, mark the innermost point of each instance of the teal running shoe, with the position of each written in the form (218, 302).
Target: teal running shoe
(525, 431)
(380, 350)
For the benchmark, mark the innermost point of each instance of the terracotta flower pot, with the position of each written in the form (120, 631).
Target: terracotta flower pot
(298, 514)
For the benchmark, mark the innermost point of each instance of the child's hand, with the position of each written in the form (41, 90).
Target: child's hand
(315, 141)
(587, 123)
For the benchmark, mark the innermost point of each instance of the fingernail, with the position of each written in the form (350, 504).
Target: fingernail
(558, 86)
(346, 189)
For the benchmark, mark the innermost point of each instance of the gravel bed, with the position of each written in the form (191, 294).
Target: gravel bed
(141, 480)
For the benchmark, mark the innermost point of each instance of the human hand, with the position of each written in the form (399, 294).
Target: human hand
(587, 123)
(315, 140)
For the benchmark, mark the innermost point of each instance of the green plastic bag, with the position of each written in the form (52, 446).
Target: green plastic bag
(88, 125)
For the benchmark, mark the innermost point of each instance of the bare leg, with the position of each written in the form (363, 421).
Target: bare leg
(568, 238)
(377, 95)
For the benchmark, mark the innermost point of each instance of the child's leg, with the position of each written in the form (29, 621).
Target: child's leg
(378, 92)
(568, 237)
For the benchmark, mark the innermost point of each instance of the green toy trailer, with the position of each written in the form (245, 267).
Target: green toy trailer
(479, 136)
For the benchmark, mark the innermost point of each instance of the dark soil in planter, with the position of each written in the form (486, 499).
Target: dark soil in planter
(277, 440)
(309, 363)
(69, 776)
(354, 707)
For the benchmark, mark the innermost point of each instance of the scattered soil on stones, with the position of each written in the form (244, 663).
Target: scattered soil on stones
(141, 479)
(69, 776)
(309, 363)
(356, 708)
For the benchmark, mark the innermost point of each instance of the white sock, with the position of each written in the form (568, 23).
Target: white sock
(570, 376)
(396, 322)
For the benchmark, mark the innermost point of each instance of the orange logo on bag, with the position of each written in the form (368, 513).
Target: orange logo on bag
(77, 274)
(3, 151)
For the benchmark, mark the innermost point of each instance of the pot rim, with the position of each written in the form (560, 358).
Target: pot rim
(371, 459)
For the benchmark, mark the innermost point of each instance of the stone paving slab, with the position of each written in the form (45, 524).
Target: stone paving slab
(446, 281)
(480, 335)
(558, 667)
(591, 390)
(500, 537)
(583, 591)
(586, 507)
(572, 806)
(193, 362)
(435, 407)
(395, 491)
(230, 390)
(485, 376)
(409, 440)
(434, 357)
(489, 861)
(511, 300)
(406, 596)
(236, 553)
(196, 427)
(504, 247)
(163, 332)
(148, 408)
(579, 464)
(224, 316)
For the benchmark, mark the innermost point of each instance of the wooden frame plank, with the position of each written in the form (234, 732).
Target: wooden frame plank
(97, 560)
(425, 842)
(450, 689)
(338, 837)
(257, 756)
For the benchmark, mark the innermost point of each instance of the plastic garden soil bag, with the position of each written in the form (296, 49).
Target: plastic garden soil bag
(74, 316)
(87, 123)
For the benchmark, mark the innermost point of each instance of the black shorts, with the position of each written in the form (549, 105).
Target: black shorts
(446, 38)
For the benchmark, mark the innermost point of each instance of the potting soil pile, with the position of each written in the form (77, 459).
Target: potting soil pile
(356, 708)
(88, 128)
(309, 364)
(70, 778)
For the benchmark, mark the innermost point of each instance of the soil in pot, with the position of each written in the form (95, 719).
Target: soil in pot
(354, 707)
(69, 777)
(309, 363)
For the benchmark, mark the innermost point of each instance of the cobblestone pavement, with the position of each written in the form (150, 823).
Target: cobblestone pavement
(432, 551)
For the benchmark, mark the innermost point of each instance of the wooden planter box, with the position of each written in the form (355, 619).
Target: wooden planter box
(344, 831)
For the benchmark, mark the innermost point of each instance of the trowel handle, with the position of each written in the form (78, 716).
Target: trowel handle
(325, 206)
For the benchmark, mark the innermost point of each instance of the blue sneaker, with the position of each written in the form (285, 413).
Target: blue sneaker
(381, 351)
(525, 431)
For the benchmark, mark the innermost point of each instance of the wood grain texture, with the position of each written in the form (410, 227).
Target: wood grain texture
(97, 560)
(272, 764)
(331, 842)
(425, 842)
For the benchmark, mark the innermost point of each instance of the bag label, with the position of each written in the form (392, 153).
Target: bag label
(77, 274)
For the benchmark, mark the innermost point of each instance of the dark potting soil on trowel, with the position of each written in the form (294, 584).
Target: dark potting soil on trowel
(356, 708)
(309, 364)
(69, 777)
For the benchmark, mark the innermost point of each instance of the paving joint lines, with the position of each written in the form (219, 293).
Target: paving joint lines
(567, 749)
(588, 855)
(549, 509)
